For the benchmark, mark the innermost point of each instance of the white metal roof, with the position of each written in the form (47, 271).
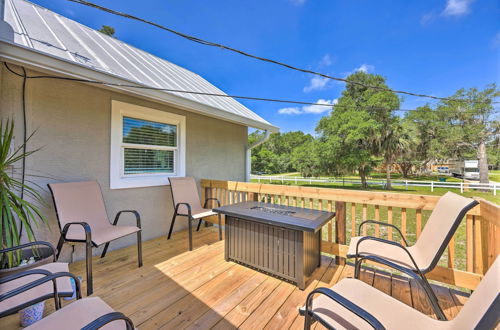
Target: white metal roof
(47, 33)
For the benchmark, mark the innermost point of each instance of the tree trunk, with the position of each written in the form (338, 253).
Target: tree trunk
(388, 167)
(483, 162)
(362, 175)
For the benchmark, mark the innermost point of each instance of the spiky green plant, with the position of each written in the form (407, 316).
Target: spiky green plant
(15, 210)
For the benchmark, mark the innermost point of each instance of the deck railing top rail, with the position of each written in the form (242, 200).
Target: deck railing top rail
(411, 201)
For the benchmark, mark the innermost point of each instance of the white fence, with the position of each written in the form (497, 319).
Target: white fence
(463, 186)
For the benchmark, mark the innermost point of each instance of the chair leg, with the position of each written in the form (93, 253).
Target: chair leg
(139, 248)
(432, 298)
(59, 246)
(220, 227)
(172, 226)
(357, 268)
(307, 321)
(199, 225)
(190, 230)
(88, 257)
(105, 250)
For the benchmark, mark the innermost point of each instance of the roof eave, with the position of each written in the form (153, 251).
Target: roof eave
(37, 60)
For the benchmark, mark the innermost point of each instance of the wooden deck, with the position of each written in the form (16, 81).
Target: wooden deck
(198, 289)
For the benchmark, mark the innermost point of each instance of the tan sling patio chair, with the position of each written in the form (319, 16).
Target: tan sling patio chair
(82, 218)
(86, 314)
(424, 255)
(25, 288)
(353, 304)
(187, 203)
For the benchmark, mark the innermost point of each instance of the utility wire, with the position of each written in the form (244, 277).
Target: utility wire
(221, 46)
(97, 82)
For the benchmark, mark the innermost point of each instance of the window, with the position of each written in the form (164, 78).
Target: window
(147, 146)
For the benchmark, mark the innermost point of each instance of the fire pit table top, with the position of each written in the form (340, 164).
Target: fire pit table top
(279, 215)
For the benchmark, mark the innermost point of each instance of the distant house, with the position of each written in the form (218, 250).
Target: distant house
(128, 139)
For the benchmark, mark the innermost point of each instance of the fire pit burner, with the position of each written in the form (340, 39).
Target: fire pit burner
(272, 210)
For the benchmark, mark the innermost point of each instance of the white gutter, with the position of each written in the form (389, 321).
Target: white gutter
(267, 134)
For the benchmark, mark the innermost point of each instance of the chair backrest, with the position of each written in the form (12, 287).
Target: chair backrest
(79, 202)
(440, 228)
(482, 310)
(184, 190)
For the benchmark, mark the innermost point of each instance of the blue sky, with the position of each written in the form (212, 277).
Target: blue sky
(432, 47)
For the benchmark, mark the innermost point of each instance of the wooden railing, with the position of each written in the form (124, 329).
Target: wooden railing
(470, 253)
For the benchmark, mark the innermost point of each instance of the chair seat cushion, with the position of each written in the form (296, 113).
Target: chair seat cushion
(77, 315)
(383, 250)
(101, 234)
(203, 213)
(392, 313)
(63, 286)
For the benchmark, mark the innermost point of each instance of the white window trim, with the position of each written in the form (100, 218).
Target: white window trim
(117, 180)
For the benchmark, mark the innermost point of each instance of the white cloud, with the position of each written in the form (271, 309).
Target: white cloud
(327, 60)
(365, 68)
(427, 18)
(314, 109)
(316, 83)
(290, 111)
(457, 7)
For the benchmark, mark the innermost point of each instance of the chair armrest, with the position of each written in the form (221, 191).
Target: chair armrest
(371, 238)
(51, 277)
(23, 274)
(86, 227)
(382, 224)
(187, 206)
(107, 318)
(211, 199)
(344, 302)
(22, 246)
(134, 212)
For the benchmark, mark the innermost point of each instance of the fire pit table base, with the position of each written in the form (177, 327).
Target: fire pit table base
(290, 254)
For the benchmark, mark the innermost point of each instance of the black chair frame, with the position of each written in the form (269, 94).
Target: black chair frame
(310, 316)
(89, 244)
(190, 219)
(417, 273)
(48, 277)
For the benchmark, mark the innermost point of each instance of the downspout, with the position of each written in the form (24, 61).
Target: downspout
(266, 136)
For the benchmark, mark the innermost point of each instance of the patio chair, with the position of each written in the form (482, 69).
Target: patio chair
(86, 314)
(423, 256)
(82, 218)
(353, 304)
(187, 203)
(25, 288)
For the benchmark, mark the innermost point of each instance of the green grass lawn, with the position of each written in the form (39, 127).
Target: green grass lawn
(495, 176)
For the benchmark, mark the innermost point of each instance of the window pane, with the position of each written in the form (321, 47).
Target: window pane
(140, 131)
(139, 161)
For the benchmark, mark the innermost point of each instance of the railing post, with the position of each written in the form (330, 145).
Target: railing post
(462, 187)
(406, 184)
(340, 228)
(432, 185)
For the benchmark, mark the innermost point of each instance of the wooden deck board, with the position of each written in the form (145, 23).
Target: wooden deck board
(180, 289)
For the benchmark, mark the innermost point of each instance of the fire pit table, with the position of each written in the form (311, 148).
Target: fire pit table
(279, 240)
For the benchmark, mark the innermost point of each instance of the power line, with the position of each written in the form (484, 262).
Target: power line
(221, 46)
(253, 98)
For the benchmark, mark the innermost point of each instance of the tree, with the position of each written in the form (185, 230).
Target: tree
(107, 30)
(359, 127)
(275, 156)
(471, 125)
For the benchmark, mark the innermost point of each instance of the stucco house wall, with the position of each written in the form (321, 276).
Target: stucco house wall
(73, 126)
